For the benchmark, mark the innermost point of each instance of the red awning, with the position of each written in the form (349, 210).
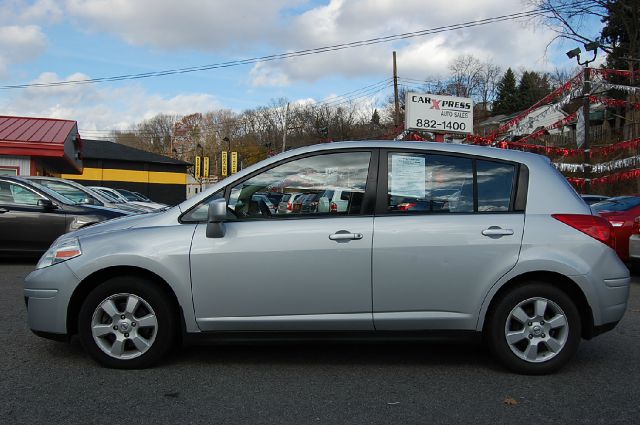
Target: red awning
(41, 137)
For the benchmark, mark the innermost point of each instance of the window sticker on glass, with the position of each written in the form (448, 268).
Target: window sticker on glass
(408, 176)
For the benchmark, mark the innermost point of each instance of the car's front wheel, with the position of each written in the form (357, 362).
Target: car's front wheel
(127, 323)
(534, 328)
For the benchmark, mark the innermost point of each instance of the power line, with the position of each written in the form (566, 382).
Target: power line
(282, 56)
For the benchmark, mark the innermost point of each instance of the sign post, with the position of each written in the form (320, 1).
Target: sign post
(439, 114)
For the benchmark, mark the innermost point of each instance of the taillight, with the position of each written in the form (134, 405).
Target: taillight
(289, 206)
(406, 206)
(592, 225)
(616, 223)
(333, 207)
(636, 226)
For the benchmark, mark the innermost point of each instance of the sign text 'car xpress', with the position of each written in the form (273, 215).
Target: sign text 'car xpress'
(446, 114)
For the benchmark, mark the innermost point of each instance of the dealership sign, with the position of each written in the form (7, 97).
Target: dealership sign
(440, 114)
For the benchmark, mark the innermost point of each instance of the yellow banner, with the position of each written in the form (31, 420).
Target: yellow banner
(234, 162)
(196, 171)
(205, 167)
(224, 164)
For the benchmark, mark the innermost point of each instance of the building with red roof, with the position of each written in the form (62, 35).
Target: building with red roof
(35, 146)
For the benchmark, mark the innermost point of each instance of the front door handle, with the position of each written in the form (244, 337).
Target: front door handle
(496, 231)
(344, 235)
(3, 210)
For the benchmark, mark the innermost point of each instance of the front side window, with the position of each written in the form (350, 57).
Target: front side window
(11, 193)
(312, 185)
(201, 211)
(429, 183)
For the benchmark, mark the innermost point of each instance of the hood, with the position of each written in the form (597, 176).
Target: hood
(120, 223)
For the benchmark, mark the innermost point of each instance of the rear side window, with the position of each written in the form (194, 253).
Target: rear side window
(430, 183)
(434, 183)
(495, 185)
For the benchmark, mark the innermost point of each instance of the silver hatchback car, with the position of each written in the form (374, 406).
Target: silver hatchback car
(436, 238)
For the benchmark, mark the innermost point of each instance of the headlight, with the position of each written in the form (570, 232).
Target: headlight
(59, 252)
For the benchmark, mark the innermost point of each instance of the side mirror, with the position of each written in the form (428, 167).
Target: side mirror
(217, 214)
(46, 204)
(89, 201)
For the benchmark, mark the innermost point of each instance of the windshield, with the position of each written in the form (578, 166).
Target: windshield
(53, 194)
(622, 203)
(67, 190)
(110, 196)
(128, 195)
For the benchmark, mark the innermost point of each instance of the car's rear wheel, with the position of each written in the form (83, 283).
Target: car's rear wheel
(127, 323)
(534, 328)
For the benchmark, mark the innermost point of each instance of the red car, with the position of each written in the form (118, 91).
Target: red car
(621, 212)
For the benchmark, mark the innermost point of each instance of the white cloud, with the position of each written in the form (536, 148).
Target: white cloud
(188, 24)
(100, 107)
(24, 12)
(21, 39)
(511, 43)
(254, 27)
(19, 44)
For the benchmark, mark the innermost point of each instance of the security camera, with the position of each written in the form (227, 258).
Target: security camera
(573, 53)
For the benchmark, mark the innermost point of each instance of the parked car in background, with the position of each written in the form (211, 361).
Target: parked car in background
(107, 191)
(334, 200)
(285, 206)
(82, 194)
(620, 211)
(307, 203)
(592, 199)
(32, 216)
(135, 199)
(529, 268)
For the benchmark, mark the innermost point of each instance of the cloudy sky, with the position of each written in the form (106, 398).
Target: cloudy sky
(47, 41)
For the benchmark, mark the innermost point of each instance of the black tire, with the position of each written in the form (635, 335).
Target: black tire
(496, 326)
(162, 336)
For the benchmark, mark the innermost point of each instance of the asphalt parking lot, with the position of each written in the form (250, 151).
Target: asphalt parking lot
(48, 382)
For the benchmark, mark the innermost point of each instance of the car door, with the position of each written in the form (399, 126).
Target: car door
(25, 226)
(446, 229)
(292, 271)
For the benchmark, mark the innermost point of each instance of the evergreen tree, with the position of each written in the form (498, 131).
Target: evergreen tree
(506, 101)
(375, 118)
(532, 88)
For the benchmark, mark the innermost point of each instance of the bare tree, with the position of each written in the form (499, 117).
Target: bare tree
(570, 19)
(489, 77)
(466, 76)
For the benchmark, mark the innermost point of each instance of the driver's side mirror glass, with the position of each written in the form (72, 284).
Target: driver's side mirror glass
(46, 204)
(217, 214)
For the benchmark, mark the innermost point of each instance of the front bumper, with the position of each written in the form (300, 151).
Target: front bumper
(47, 294)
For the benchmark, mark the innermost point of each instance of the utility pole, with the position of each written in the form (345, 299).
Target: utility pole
(284, 130)
(586, 90)
(396, 119)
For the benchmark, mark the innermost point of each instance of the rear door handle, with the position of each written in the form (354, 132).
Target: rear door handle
(497, 231)
(344, 235)
(3, 210)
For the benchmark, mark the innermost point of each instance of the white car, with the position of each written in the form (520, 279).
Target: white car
(107, 191)
(334, 201)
